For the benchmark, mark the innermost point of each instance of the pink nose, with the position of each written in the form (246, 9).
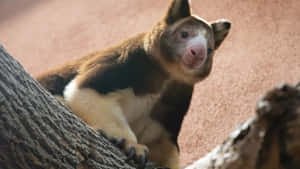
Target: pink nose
(194, 56)
(197, 51)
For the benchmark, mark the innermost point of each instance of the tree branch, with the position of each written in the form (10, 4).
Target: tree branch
(268, 141)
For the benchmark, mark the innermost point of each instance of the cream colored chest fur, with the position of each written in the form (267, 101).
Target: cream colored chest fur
(136, 107)
(132, 107)
(120, 113)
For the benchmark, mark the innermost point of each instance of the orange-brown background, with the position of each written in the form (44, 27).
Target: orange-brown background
(262, 51)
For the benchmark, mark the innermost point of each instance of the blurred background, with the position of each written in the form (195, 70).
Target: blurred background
(261, 51)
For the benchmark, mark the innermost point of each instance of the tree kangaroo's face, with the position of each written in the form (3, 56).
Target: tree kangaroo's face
(188, 43)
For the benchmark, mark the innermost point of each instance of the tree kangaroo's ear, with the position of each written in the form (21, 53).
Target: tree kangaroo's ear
(221, 28)
(177, 10)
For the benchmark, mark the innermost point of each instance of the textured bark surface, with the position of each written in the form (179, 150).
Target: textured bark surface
(37, 131)
(271, 140)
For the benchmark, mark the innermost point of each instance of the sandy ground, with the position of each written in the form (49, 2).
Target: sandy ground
(261, 51)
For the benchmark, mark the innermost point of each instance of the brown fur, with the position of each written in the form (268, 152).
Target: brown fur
(145, 70)
(164, 146)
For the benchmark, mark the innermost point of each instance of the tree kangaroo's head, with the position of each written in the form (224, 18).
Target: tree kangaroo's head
(185, 44)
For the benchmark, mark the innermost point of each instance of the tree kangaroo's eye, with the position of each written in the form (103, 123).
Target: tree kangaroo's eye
(209, 51)
(184, 34)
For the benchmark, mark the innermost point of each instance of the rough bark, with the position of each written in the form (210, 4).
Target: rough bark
(38, 132)
(271, 140)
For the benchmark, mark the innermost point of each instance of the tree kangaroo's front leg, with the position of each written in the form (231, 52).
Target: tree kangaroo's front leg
(104, 112)
(163, 150)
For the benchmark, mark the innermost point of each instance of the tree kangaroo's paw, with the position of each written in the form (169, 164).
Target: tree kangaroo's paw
(103, 134)
(137, 152)
(120, 143)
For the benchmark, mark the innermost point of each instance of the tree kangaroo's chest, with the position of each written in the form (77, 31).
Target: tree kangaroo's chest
(136, 107)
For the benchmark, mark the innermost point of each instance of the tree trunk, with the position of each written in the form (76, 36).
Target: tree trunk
(37, 131)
